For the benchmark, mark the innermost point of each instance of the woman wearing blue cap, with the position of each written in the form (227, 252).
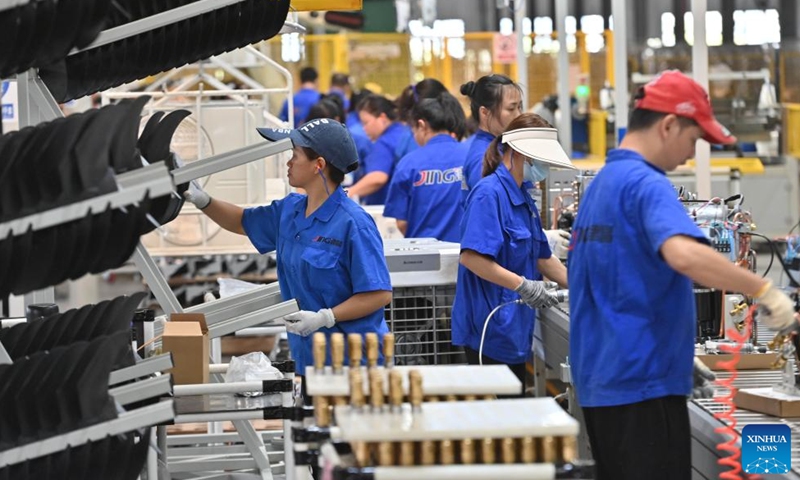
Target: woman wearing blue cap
(330, 254)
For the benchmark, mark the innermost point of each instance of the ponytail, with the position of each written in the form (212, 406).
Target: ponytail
(492, 157)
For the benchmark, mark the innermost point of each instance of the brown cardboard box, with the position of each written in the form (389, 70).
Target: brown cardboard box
(768, 401)
(186, 337)
(748, 361)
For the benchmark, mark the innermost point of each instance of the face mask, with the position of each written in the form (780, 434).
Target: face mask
(536, 171)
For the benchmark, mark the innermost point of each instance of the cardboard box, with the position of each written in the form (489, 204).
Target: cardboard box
(186, 338)
(768, 401)
(748, 361)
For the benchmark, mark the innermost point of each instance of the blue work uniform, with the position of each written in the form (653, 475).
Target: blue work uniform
(501, 221)
(393, 144)
(304, 99)
(340, 93)
(363, 147)
(473, 163)
(425, 190)
(632, 317)
(323, 259)
(353, 122)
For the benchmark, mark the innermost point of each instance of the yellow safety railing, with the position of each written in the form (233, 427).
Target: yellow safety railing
(598, 133)
(791, 129)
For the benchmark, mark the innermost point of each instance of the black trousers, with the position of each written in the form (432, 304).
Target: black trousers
(517, 368)
(649, 439)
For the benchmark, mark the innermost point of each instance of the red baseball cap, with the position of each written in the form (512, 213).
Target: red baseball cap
(674, 92)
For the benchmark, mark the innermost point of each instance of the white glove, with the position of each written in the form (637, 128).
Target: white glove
(535, 295)
(703, 377)
(775, 309)
(559, 242)
(197, 195)
(304, 322)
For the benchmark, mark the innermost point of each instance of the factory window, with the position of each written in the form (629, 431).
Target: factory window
(291, 47)
(592, 26)
(756, 27)
(543, 29)
(668, 29)
(713, 28)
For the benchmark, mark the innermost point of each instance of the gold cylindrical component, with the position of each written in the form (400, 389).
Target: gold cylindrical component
(388, 350)
(357, 399)
(337, 401)
(447, 453)
(451, 398)
(569, 449)
(469, 398)
(395, 389)
(467, 451)
(318, 351)
(376, 395)
(431, 399)
(386, 454)
(355, 345)
(528, 450)
(427, 450)
(337, 352)
(487, 451)
(322, 413)
(361, 451)
(372, 349)
(489, 397)
(406, 454)
(415, 393)
(549, 454)
(509, 451)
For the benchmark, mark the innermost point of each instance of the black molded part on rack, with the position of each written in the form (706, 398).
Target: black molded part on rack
(298, 414)
(343, 448)
(277, 386)
(164, 48)
(583, 470)
(310, 457)
(277, 413)
(311, 435)
(285, 366)
(353, 473)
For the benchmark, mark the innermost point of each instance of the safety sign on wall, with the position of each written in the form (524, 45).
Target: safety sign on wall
(504, 49)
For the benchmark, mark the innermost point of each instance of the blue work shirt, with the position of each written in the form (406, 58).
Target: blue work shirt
(425, 190)
(323, 259)
(353, 122)
(501, 221)
(473, 163)
(393, 144)
(632, 317)
(304, 99)
(363, 147)
(340, 93)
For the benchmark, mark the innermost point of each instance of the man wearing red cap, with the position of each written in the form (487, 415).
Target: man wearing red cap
(634, 255)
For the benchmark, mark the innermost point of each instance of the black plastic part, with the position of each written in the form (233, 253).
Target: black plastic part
(353, 473)
(277, 386)
(298, 414)
(583, 470)
(144, 315)
(40, 311)
(343, 448)
(284, 367)
(306, 458)
(311, 435)
(277, 413)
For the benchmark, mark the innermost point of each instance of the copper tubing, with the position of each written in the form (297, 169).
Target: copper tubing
(361, 451)
(487, 451)
(528, 450)
(354, 344)
(321, 411)
(509, 451)
(407, 454)
(337, 352)
(427, 450)
(376, 396)
(386, 454)
(395, 389)
(569, 449)
(319, 344)
(357, 399)
(447, 453)
(467, 451)
(549, 454)
(415, 393)
(372, 349)
(388, 350)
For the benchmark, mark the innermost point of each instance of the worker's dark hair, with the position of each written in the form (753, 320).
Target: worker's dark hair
(442, 114)
(412, 94)
(326, 108)
(356, 97)
(494, 153)
(308, 74)
(642, 118)
(340, 80)
(331, 173)
(378, 104)
(487, 92)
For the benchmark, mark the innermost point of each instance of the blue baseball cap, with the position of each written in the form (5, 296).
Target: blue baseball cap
(329, 138)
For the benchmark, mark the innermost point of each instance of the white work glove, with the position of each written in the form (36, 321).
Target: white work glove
(775, 308)
(559, 242)
(535, 295)
(703, 376)
(197, 195)
(304, 322)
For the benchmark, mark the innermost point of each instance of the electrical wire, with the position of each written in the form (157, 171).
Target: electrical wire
(486, 325)
(776, 253)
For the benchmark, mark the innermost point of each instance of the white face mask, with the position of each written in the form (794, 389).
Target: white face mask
(536, 171)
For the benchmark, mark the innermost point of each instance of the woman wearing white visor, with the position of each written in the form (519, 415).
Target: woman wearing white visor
(504, 249)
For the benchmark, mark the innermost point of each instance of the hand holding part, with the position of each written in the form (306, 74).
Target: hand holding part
(559, 242)
(775, 309)
(535, 295)
(305, 322)
(703, 376)
(197, 195)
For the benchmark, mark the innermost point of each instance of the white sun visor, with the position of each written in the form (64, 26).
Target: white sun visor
(540, 144)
